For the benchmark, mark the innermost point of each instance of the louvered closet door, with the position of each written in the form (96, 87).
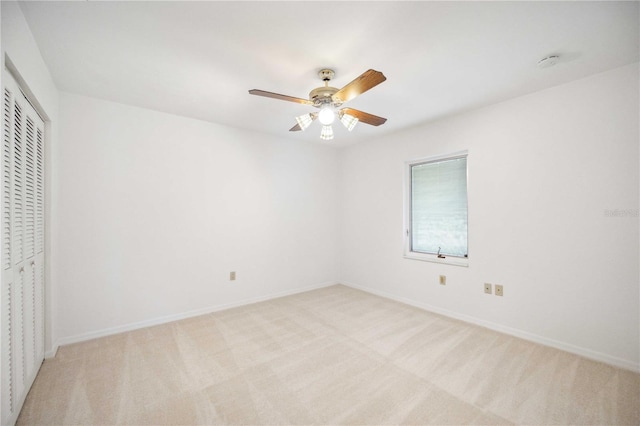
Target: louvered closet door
(22, 248)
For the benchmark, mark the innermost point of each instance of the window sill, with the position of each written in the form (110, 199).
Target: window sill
(454, 261)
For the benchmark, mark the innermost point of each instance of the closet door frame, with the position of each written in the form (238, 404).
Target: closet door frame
(24, 288)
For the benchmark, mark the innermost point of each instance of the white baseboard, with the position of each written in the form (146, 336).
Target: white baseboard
(567, 347)
(175, 317)
(51, 353)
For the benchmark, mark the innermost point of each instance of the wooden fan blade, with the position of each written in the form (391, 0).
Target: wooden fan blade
(364, 117)
(279, 96)
(366, 81)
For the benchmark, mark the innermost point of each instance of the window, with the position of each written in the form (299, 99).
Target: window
(436, 209)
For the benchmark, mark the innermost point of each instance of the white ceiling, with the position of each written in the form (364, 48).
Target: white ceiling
(199, 59)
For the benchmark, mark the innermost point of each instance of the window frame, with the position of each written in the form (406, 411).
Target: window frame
(407, 229)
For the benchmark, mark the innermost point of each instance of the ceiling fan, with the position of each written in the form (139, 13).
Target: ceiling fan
(329, 99)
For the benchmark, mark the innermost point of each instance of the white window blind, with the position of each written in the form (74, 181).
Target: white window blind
(438, 207)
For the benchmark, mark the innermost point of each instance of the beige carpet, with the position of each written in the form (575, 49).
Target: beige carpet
(329, 356)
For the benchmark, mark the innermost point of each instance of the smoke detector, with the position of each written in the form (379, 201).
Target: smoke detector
(549, 61)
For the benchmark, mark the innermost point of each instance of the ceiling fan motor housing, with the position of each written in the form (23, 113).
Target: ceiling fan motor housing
(322, 95)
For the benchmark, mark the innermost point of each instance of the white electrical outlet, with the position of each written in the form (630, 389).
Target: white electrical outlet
(487, 288)
(499, 290)
(232, 276)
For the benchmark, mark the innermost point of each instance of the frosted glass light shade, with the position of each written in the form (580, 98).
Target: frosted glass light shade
(326, 115)
(349, 121)
(327, 133)
(304, 121)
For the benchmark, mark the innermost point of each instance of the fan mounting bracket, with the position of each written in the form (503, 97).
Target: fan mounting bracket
(326, 74)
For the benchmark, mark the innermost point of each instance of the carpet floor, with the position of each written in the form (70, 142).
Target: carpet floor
(330, 356)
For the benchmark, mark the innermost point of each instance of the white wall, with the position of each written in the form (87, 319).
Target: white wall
(19, 50)
(157, 209)
(542, 171)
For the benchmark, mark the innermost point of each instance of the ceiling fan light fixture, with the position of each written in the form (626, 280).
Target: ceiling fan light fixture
(327, 133)
(349, 121)
(304, 121)
(326, 115)
(329, 101)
